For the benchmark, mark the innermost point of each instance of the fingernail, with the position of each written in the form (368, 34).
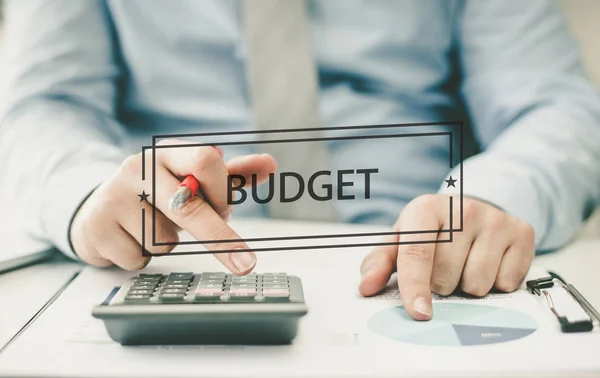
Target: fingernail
(243, 261)
(422, 306)
(219, 150)
(367, 270)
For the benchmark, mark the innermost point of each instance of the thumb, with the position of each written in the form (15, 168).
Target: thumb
(378, 267)
(256, 164)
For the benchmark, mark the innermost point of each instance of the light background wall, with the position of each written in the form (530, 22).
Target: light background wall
(584, 21)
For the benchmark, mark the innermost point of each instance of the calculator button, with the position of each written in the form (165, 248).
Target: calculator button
(242, 295)
(207, 297)
(171, 296)
(175, 286)
(203, 281)
(203, 291)
(275, 277)
(147, 279)
(209, 290)
(242, 285)
(213, 275)
(242, 291)
(272, 281)
(151, 275)
(137, 298)
(144, 292)
(275, 286)
(142, 287)
(204, 295)
(182, 291)
(176, 281)
(181, 276)
(243, 278)
(217, 278)
(210, 285)
(276, 294)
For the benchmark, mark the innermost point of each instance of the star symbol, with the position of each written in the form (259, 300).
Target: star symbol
(450, 182)
(143, 196)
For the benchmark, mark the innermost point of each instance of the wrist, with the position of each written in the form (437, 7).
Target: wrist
(65, 194)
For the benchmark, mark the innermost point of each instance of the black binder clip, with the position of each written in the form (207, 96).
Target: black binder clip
(539, 287)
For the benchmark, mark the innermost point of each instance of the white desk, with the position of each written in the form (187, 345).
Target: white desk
(578, 263)
(24, 292)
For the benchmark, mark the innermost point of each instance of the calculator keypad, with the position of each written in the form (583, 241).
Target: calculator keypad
(208, 287)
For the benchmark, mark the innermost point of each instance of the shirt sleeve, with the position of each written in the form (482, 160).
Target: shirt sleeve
(58, 134)
(534, 113)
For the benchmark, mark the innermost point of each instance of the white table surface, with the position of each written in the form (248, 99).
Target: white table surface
(24, 292)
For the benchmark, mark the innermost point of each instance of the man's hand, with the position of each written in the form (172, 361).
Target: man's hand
(107, 229)
(494, 249)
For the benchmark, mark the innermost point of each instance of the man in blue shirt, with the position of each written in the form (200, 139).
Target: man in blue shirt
(88, 82)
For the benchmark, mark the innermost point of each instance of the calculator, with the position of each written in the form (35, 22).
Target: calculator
(204, 308)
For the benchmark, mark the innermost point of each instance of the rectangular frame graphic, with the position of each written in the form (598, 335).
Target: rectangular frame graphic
(458, 128)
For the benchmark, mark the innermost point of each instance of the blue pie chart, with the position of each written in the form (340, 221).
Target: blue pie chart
(454, 324)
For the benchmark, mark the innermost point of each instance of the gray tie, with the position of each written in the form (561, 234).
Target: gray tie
(284, 91)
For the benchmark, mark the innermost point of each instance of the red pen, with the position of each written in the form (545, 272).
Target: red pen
(186, 190)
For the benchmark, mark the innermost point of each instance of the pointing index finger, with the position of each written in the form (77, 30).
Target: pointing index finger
(415, 257)
(201, 221)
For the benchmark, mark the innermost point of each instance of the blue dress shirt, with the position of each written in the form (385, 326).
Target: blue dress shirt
(88, 82)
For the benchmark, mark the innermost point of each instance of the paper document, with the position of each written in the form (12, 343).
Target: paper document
(342, 335)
